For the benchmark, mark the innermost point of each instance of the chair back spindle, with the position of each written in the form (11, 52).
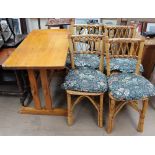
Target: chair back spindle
(84, 29)
(124, 48)
(87, 44)
(119, 31)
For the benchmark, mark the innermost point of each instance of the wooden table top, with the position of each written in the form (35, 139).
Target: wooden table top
(40, 49)
(5, 53)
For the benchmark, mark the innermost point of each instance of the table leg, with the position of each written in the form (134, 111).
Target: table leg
(34, 89)
(46, 89)
(38, 110)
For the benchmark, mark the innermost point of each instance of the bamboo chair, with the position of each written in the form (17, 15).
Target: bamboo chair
(80, 95)
(83, 29)
(126, 47)
(122, 32)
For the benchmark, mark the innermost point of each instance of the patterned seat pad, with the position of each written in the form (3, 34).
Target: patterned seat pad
(85, 60)
(125, 65)
(85, 79)
(128, 86)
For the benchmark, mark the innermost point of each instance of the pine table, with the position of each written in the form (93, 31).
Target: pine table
(42, 50)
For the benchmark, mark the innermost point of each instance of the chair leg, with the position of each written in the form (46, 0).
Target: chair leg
(69, 108)
(142, 116)
(111, 115)
(100, 115)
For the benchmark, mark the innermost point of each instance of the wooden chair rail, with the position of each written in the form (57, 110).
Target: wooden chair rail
(86, 37)
(126, 40)
(87, 52)
(71, 92)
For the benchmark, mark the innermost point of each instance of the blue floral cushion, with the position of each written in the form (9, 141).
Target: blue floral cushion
(85, 79)
(125, 65)
(85, 60)
(128, 86)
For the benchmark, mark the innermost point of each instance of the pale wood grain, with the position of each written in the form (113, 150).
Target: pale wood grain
(46, 89)
(40, 49)
(43, 111)
(34, 89)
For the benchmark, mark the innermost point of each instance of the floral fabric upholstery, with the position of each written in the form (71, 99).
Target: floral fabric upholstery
(128, 86)
(125, 65)
(85, 60)
(86, 80)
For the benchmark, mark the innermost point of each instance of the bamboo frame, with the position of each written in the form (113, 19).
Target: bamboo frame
(81, 95)
(96, 47)
(119, 31)
(116, 105)
(126, 48)
(90, 28)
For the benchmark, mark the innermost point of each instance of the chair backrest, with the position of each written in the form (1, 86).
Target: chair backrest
(119, 31)
(124, 48)
(90, 44)
(84, 29)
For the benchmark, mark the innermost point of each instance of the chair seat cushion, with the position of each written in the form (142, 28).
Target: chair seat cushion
(85, 60)
(125, 65)
(86, 80)
(128, 86)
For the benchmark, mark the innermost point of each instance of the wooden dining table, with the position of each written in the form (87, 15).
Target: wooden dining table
(41, 51)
